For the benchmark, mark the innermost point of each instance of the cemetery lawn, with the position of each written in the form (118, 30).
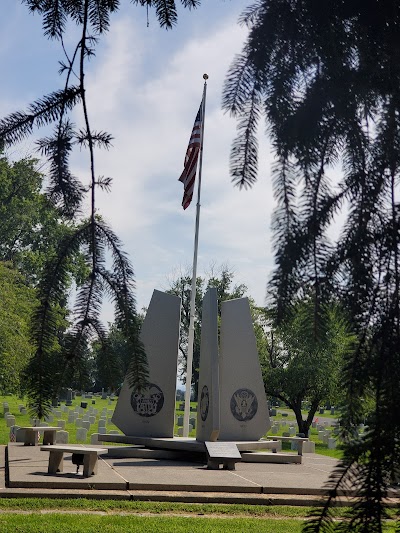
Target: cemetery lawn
(24, 420)
(81, 515)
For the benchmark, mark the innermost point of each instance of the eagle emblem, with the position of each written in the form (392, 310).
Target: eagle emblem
(244, 404)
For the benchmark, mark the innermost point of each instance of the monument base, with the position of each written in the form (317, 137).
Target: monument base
(172, 448)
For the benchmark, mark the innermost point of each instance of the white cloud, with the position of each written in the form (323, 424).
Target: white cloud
(151, 119)
(144, 87)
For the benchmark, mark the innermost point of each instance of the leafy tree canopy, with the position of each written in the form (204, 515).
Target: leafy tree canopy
(222, 280)
(301, 366)
(17, 304)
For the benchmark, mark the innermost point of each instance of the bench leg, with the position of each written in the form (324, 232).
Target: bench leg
(212, 465)
(31, 438)
(229, 465)
(56, 462)
(49, 437)
(89, 464)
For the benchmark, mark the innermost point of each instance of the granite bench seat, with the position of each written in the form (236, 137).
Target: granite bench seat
(80, 455)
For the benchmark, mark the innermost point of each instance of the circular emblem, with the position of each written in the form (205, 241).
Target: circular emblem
(147, 402)
(244, 404)
(204, 403)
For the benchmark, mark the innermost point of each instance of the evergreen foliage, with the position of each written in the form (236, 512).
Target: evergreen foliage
(327, 76)
(91, 236)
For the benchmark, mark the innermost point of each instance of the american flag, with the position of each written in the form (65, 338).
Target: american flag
(188, 175)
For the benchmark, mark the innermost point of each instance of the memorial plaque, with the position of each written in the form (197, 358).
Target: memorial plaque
(222, 450)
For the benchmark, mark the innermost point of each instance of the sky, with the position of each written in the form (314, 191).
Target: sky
(144, 87)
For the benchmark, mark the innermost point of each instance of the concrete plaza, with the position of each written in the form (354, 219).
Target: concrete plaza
(24, 473)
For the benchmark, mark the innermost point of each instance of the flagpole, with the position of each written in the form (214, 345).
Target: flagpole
(189, 360)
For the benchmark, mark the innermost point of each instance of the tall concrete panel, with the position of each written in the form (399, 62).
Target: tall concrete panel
(243, 405)
(207, 427)
(151, 413)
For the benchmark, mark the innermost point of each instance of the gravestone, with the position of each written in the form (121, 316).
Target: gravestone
(208, 414)
(61, 424)
(151, 412)
(94, 439)
(308, 446)
(62, 437)
(69, 397)
(331, 443)
(81, 434)
(10, 421)
(243, 405)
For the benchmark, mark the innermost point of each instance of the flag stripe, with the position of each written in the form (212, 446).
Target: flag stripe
(188, 175)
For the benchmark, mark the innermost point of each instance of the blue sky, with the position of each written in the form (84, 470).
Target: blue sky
(144, 88)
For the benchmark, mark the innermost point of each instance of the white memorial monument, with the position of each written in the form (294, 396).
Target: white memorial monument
(151, 412)
(244, 411)
(207, 427)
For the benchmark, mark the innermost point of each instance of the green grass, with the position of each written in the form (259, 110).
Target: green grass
(83, 515)
(24, 420)
(125, 506)
(54, 523)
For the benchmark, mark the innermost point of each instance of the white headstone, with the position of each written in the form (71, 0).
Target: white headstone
(208, 413)
(10, 421)
(94, 439)
(244, 413)
(102, 423)
(150, 413)
(62, 437)
(308, 446)
(86, 424)
(331, 444)
(61, 424)
(81, 434)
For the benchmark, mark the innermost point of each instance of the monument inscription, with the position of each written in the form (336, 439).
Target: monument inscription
(147, 402)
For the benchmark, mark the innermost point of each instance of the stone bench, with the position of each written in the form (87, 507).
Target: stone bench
(299, 441)
(31, 437)
(80, 455)
(225, 453)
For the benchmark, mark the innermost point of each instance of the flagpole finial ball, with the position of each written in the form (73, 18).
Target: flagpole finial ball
(205, 76)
